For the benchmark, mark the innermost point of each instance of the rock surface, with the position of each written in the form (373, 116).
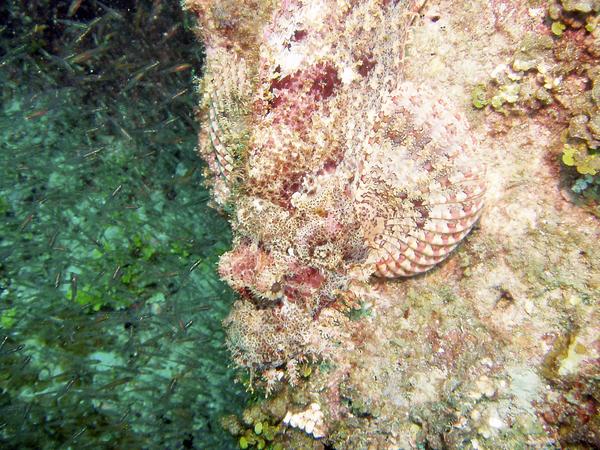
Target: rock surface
(496, 347)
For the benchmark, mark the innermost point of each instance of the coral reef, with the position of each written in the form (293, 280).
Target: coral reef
(554, 74)
(349, 148)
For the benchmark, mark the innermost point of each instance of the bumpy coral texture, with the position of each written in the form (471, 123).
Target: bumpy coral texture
(337, 168)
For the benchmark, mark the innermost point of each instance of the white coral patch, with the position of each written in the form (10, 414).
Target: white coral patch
(309, 420)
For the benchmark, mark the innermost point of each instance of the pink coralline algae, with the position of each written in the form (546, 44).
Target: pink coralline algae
(334, 168)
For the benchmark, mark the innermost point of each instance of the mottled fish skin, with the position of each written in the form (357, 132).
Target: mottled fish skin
(226, 92)
(338, 167)
(421, 185)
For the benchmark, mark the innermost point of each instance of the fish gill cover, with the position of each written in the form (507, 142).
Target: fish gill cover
(110, 307)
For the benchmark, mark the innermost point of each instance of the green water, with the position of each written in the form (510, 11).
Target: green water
(110, 306)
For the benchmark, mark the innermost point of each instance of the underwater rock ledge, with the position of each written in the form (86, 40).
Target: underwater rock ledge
(344, 141)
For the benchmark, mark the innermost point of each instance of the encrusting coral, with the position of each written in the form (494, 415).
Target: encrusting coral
(555, 73)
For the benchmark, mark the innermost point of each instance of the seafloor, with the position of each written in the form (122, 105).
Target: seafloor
(110, 305)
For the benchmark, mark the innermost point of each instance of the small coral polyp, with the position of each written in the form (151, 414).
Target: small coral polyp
(336, 168)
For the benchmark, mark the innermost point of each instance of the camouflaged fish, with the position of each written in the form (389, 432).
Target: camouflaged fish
(336, 166)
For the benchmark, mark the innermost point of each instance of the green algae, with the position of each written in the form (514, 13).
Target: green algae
(558, 28)
(260, 427)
